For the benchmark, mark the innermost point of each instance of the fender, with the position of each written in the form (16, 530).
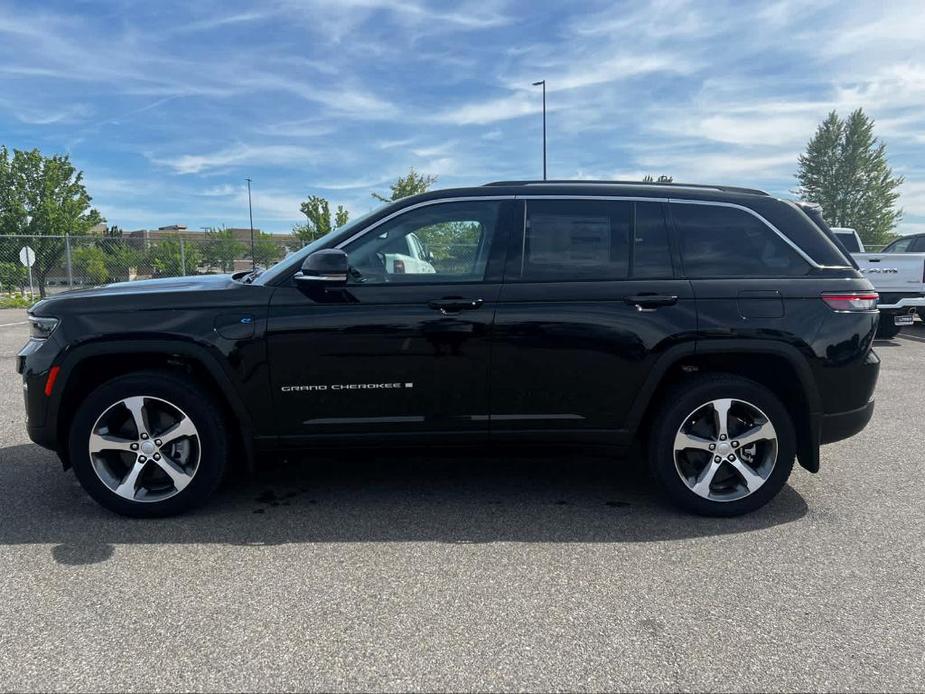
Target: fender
(194, 351)
(807, 445)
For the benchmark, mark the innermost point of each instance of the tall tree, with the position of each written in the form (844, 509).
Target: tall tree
(318, 219)
(43, 197)
(845, 170)
(221, 249)
(266, 249)
(404, 186)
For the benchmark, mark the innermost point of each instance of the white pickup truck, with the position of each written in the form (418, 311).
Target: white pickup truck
(898, 277)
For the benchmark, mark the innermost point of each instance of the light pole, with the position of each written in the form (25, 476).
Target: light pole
(537, 84)
(250, 212)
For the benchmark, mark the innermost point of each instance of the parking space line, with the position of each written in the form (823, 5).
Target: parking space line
(7, 325)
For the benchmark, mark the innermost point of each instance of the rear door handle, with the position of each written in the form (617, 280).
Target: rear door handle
(650, 302)
(454, 304)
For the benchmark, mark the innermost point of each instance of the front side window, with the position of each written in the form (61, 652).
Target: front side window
(720, 241)
(898, 246)
(435, 244)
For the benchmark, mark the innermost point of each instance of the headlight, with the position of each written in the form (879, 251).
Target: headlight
(42, 326)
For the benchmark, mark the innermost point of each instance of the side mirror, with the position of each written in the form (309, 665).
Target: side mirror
(327, 267)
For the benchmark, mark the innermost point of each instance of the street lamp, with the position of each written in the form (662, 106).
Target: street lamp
(537, 84)
(250, 212)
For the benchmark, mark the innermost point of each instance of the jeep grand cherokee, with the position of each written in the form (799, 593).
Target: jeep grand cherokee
(718, 325)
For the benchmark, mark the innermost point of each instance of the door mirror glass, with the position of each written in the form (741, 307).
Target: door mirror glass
(327, 267)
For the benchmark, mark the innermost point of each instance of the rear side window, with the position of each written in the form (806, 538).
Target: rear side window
(594, 240)
(727, 242)
(849, 241)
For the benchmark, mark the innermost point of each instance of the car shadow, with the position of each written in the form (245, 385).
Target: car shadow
(462, 497)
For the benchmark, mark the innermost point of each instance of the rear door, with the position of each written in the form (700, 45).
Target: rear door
(590, 301)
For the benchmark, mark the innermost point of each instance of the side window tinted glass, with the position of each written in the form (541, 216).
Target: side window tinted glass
(898, 246)
(727, 242)
(918, 245)
(439, 243)
(849, 242)
(651, 252)
(576, 239)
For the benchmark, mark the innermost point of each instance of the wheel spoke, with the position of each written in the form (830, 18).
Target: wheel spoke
(752, 479)
(100, 442)
(128, 487)
(684, 441)
(136, 406)
(721, 417)
(762, 432)
(179, 430)
(702, 485)
(177, 474)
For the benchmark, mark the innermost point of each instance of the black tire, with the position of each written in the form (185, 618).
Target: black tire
(193, 401)
(886, 328)
(680, 403)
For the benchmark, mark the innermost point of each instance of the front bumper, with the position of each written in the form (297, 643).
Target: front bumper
(835, 427)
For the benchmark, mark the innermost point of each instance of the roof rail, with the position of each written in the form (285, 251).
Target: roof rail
(700, 186)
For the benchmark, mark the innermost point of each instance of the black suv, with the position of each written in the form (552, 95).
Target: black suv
(719, 326)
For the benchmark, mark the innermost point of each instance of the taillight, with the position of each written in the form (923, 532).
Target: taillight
(398, 267)
(851, 301)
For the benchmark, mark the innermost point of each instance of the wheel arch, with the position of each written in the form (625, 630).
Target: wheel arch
(781, 368)
(88, 366)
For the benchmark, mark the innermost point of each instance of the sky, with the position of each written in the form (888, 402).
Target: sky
(168, 106)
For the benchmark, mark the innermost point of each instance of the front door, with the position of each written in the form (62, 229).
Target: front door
(590, 302)
(404, 348)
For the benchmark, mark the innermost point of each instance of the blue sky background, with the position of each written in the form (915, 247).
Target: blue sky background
(168, 106)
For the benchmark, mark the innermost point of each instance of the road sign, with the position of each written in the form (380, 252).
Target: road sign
(27, 256)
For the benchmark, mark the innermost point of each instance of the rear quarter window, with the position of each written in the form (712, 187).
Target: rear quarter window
(717, 241)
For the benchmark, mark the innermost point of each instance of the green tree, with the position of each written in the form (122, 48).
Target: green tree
(90, 262)
(43, 197)
(318, 219)
(405, 186)
(845, 170)
(222, 249)
(169, 259)
(13, 276)
(267, 249)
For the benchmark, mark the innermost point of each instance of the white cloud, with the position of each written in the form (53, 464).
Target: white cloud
(235, 156)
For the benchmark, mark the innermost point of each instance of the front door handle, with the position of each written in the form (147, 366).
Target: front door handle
(650, 302)
(454, 304)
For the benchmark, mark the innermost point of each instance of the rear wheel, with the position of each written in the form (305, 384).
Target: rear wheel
(886, 328)
(722, 445)
(148, 444)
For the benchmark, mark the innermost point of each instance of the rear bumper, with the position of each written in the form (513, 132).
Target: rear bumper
(908, 303)
(835, 427)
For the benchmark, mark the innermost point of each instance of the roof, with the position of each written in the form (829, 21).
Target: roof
(635, 184)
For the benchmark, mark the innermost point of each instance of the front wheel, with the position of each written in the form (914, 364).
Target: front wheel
(148, 444)
(721, 445)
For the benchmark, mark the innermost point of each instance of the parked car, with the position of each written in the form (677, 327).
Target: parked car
(407, 254)
(720, 326)
(898, 279)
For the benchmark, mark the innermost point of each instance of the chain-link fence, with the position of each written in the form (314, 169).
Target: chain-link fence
(34, 266)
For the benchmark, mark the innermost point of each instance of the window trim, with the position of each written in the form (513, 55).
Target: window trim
(685, 201)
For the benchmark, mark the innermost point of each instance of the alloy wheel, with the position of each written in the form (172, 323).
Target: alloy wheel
(725, 449)
(144, 449)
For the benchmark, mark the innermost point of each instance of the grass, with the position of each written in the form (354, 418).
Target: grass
(15, 301)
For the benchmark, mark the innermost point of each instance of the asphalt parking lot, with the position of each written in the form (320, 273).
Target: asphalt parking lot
(453, 573)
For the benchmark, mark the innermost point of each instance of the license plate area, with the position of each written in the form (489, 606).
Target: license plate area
(902, 319)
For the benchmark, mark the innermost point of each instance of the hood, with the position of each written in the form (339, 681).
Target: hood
(123, 294)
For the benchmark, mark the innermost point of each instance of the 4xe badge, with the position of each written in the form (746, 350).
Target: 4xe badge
(346, 386)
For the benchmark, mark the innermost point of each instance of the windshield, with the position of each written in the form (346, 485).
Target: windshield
(295, 259)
